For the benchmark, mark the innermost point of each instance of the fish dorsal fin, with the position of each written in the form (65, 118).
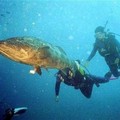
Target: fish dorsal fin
(61, 49)
(45, 47)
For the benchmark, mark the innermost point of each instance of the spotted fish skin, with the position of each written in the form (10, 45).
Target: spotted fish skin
(35, 52)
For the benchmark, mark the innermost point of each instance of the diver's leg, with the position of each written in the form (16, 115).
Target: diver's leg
(108, 75)
(97, 79)
(114, 70)
(112, 66)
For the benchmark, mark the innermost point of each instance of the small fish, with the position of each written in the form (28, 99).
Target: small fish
(7, 12)
(2, 15)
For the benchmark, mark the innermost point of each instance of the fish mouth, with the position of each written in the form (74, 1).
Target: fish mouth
(19, 55)
(10, 56)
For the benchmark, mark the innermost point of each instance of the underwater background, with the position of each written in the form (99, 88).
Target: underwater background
(69, 24)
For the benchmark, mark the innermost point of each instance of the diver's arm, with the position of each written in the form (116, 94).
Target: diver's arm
(92, 53)
(57, 88)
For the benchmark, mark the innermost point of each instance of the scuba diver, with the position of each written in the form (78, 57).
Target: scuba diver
(11, 112)
(108, 47)
(82, 81)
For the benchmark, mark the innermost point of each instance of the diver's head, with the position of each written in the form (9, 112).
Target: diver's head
(99, 29)
(100, 33)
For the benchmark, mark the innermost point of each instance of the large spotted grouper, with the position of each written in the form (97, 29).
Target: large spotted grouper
(35, 52)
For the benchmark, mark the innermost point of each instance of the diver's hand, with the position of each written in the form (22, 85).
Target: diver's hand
(86, 64)
(57, 99)
(117, 61)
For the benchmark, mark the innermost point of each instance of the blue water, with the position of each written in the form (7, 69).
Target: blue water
(69, 24)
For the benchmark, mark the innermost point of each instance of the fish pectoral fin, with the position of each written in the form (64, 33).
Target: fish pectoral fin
(44, 52)
(36, 70)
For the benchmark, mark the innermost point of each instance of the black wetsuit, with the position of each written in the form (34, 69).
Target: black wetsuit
(9, 113)
(110, 50)
(83, 82)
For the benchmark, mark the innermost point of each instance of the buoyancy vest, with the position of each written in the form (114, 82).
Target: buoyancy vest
(110, 46)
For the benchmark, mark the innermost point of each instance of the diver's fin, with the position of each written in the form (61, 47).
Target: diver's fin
(113, 78)
(19, 111)
(87, 89)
